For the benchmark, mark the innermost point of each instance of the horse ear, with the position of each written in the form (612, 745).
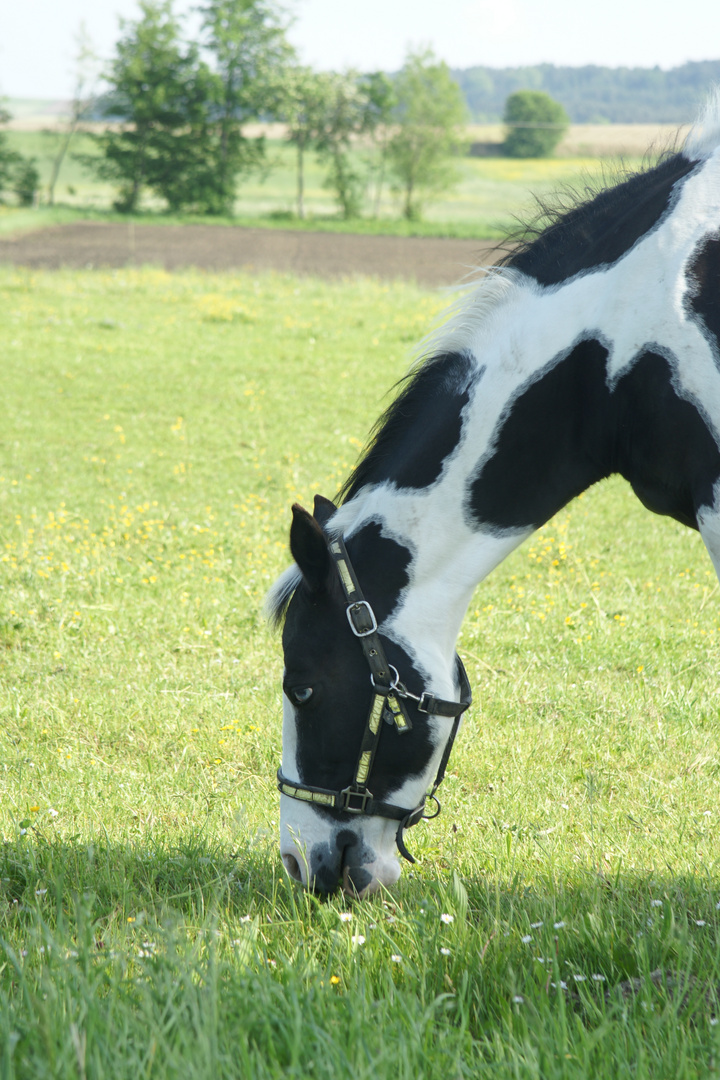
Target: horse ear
(309, 548)
(323, 510)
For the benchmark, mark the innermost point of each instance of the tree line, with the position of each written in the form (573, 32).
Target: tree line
(595, 94)
(177, 112)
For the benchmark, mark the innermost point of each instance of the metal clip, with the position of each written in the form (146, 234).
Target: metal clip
(381, 688)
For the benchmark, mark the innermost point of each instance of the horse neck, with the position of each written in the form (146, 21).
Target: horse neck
(455, 492)
(436, 559)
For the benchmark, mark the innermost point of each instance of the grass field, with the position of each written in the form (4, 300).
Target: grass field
(156, 429)
(491, 192)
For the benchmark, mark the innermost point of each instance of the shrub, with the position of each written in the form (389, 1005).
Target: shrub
(535, 124)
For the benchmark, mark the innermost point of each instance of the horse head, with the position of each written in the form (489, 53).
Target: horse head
(361, 738)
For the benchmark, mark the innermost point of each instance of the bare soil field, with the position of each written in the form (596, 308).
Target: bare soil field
(431, 261)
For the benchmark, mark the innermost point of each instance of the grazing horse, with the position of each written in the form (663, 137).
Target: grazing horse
(593, 349)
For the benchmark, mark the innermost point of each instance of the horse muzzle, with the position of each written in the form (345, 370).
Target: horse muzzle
(343, 859)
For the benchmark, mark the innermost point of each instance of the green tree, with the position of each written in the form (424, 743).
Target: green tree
(17, 173)
(344, 118)
(380, 101)
(302, 106)
(9, 159)
(26, 181)
(83, 102)
(429, 112)
(161, 92)
(182, 137)
(535, 124)
(246, 39)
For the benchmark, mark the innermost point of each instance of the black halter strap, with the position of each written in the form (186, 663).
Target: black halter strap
(388, 703)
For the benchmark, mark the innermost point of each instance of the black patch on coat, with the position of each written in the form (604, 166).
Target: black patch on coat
(326, 861)
(324, 867)
(568, 429)
(703, 301)
(412, 439)
(381, 565)
(600, 231)
(551, 444)
(359, 878)
(666, 450)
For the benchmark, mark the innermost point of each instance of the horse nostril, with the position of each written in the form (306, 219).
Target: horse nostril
(292, 866)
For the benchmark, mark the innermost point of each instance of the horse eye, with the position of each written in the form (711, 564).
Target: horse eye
(301, 696)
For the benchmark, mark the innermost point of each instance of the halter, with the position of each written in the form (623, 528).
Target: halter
(388, 703)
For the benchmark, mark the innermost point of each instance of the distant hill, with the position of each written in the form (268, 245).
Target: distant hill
(596, 94)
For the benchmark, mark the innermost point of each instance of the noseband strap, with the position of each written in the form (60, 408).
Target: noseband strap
(388, 703)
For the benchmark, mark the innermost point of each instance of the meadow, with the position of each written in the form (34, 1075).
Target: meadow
(490, 194)
(156, 430)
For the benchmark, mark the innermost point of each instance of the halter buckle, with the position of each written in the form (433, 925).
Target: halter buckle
(349, 794)
(357, 613)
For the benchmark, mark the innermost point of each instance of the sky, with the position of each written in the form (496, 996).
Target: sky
(37, 37)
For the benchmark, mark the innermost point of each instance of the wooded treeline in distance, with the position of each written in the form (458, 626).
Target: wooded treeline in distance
(593, 94)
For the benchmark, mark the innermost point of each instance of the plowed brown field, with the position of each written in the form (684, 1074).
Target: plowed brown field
(432, 261)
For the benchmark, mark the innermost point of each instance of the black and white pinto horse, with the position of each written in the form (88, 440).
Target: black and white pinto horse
(594, 349)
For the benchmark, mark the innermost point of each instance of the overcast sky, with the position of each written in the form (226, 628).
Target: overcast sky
(36, 36)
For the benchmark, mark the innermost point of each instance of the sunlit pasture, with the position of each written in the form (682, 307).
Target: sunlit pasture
(490, 194)
(156, 429)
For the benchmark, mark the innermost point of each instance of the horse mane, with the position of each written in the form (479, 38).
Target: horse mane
(280, 594)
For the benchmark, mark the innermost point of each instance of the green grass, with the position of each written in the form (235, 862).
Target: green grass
(491, 194)
(156, 429)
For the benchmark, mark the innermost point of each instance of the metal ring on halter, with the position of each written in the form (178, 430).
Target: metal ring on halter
(393, 685)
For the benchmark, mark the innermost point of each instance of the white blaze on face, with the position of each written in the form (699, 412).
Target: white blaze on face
(303, 828)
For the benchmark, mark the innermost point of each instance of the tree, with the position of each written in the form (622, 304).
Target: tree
(303, 101)
(83, 102)
(535, 124)
(344, 118)
(26, 181)
(17, 173)
(247, 41)
(327, 112)
(154, 85)
(182, 137)
(380, 101)
(9, 159)
(428, 114)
